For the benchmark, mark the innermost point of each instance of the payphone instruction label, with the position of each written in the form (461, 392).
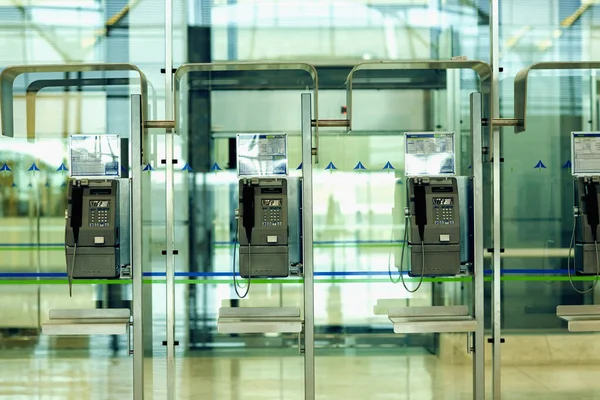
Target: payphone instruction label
(585, 148)
(95, 156)
(262, 154)
(429, 153)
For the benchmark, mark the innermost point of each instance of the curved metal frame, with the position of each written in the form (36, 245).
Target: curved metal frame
(10, 74)
(37, 86)
(251, 66)
(483, 70)
(522, 79)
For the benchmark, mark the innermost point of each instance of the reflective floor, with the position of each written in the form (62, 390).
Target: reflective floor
(74, 375)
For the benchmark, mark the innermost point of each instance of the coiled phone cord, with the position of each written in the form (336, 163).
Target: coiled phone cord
(70, 274)
(571, 244)
(236, 285)
(402, 261)
(405, 241)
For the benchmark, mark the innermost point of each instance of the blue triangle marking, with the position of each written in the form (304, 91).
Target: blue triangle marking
(299, 166)
(540, 164)
(62, 167)
(148, 167)
(64, 184)
(215, 167)
(330, 166)
(567, 164)
(33, 167)
(388, 165)
(360, 166)
(13, 185)
(47, 184)
(5, 167)
(187, 167)
(470, 166)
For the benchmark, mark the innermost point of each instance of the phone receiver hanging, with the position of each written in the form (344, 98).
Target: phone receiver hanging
(591, 205)
(248, 209)
(76, 209)
(420, 210)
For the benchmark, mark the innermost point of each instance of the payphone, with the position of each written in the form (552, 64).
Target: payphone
(92, 233)
(268, 229)
(585, 149)
(269, 211)
(434, 217)
(586, 244)
(97, 215)
(263, 227)
(437, 206)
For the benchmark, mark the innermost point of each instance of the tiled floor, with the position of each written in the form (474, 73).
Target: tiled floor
(377, 377)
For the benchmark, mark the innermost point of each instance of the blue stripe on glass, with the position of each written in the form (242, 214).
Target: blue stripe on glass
(318, 273)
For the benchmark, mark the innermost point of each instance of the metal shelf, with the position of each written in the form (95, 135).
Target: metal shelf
(102, 321)
(433, 319)
(580, 318)
(259, 320)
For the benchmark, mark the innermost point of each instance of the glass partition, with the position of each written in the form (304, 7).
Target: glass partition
(34, 182)
(537, 228)
(360, 197)
(214, 104)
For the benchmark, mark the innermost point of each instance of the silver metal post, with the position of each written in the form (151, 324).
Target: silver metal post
(307, 250)
(496, 284)
(169, 190)
(136, 246)
(478, 298)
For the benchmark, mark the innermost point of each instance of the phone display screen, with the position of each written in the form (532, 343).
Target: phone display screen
(443, 201)
(271, 202)
(100, 203)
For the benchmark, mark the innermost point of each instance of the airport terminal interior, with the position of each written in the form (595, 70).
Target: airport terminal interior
(299, 199)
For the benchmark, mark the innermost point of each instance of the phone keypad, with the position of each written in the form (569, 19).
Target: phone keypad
(99, 218)
(443, 215)
(272, 216)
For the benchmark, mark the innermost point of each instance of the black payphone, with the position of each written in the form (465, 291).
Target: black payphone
(438, 209)
(92, 230)
(434, 226)
(268, 229)
(585, 153)
(586, 232)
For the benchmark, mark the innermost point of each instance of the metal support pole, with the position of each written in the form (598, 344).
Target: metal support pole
(495, 132)
(478, 298)
(136, 246)
(169, 190)
(307, 250)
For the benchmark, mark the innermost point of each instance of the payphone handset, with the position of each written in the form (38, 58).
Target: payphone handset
(585, 153)
(262, 229)
(432, 216)
(92, 231)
